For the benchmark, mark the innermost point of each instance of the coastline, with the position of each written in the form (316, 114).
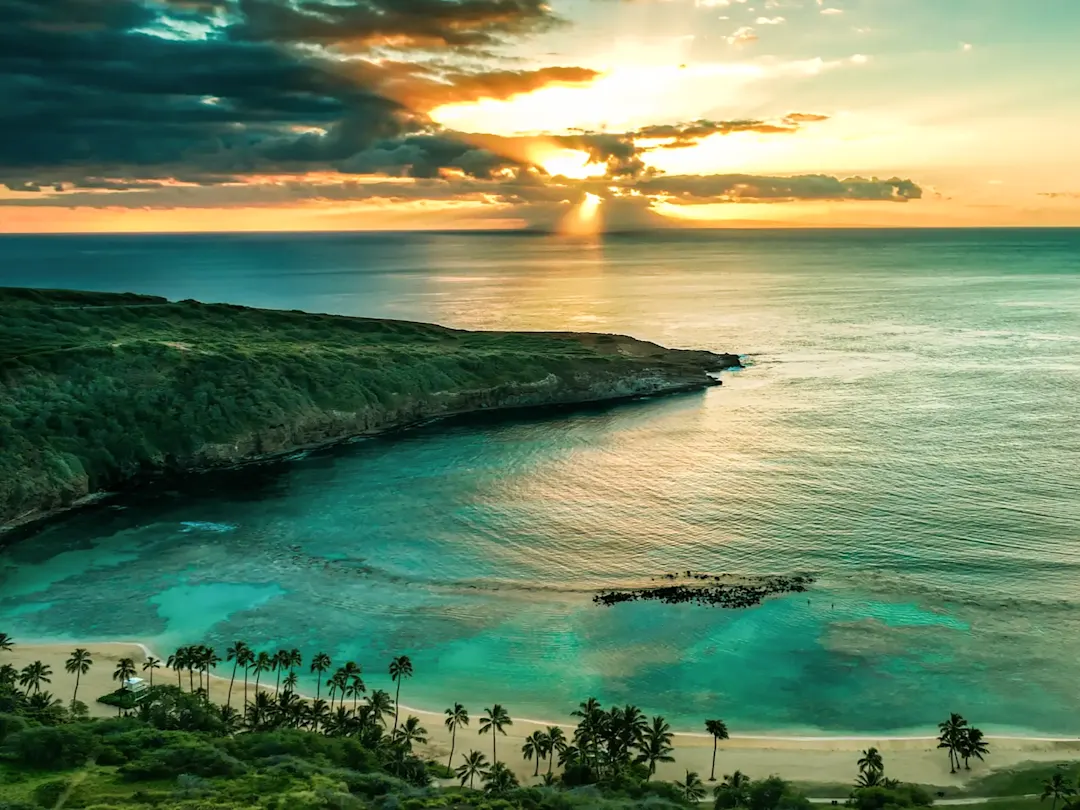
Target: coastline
(806, 759)
(30, 522)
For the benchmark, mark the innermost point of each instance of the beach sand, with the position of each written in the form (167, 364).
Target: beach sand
(800, 759)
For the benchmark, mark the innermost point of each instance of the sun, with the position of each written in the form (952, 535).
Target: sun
(573, 164)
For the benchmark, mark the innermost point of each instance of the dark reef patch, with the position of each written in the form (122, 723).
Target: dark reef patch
(709, 590)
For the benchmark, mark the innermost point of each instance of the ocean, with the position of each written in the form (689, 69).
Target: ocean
(906, 431)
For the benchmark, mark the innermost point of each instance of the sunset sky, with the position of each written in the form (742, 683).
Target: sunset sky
(190, 115)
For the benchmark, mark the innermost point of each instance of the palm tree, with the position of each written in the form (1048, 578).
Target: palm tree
(718, 730)
(1056, 788)
(235, 653)
(191, 656)
(295, 659)
(534, 747)
(176, 662)
(972, 743)
(400, 669)
(78, 665)
(380, 705)
(474, 764)
(495, 720)
(736, 786)
(499, 780)
(871, 762)
(319, 664)
(411, 731)
(6, 644)
(556, 743)
(569, 755)
(336, 683)
(34, 675)
(290, 682)
(281, 663)
(150, 664)
(952, 730)
(455, 718)
(261, 665)
(208, 660)
(125, 670)
(693, 789)
(247, 660)
(870, 778)
(656, 744)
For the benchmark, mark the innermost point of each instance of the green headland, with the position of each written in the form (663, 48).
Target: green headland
(98, 390)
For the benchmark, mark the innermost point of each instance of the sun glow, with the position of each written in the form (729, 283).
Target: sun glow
(571, 163)
(584, 218)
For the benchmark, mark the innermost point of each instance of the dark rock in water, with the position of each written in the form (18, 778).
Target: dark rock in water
(743, 594)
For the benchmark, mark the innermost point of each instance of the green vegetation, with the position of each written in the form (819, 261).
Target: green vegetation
(178, 750)
(98, 389)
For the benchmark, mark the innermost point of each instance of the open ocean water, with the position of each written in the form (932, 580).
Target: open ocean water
(907, 430)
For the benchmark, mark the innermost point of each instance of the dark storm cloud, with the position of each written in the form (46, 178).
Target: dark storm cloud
(86, 94)
(393, 23)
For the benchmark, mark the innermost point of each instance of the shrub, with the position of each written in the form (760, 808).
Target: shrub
(879, 798)
(48, 794)
(52, 747)
(11, 724)
(199, 759)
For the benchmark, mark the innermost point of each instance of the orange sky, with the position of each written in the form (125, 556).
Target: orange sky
(665, 113)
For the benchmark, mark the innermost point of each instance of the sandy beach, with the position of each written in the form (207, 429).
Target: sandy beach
(800, 759)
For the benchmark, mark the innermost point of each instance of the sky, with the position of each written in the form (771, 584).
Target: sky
(570, 115)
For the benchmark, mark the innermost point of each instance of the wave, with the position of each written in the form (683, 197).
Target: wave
(207, 526)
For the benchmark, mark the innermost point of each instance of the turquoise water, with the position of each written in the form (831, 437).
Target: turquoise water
(907, 431)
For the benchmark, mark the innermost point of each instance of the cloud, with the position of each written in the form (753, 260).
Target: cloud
(430, 91)
(832, 11)
(804, 118)
(211, 103)
(1060, 195)
(751, 188)
(391, 23)
(769, 20)
(742, 36)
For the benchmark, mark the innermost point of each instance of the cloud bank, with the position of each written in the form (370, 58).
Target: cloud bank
(187, 103)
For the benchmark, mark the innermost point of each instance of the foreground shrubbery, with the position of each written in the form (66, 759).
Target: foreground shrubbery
(179, 752)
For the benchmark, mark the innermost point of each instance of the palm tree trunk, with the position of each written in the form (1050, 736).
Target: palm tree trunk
(207, 683)
(277, 683)
(179, 683)
(453, 742)
(397, 702)
(494, 756)
(228, 697)
(76, 692)
(191, 679)
(245, 683)
(712, 773)
(551, 759)
(318, 685)
(536, 771)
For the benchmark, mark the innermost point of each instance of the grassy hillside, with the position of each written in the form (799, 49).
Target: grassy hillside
(97, 388)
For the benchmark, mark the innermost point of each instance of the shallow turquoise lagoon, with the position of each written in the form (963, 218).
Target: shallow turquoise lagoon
(906, 432)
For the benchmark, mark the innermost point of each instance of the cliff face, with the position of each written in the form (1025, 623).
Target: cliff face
(97, 390)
